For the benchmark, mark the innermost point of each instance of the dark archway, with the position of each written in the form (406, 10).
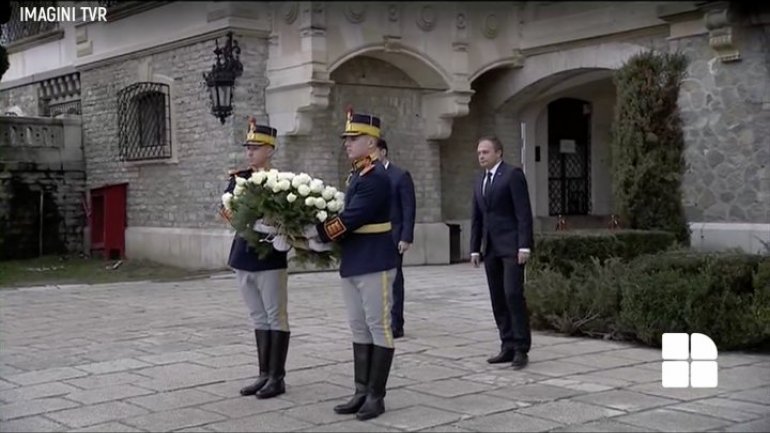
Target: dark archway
(569, 157)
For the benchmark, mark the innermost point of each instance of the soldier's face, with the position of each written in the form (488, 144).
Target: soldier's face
(358, 146)
(487, 155)
(258, 155)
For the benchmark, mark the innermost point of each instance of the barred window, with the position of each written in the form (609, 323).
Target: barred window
(144, 122)
(16, 30)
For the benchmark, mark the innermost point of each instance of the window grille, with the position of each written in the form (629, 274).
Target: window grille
(15, 29)
(144, 122)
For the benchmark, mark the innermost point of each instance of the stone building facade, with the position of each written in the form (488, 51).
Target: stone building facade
(439, 76)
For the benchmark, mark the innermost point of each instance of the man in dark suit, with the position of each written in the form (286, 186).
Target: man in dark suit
(403, 209)
(501, 230)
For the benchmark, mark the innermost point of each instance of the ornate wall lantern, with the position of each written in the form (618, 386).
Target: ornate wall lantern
(221, 80)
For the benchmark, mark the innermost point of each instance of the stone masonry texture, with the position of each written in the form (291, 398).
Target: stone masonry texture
(725, 110)
(187, 193)
(25, 97)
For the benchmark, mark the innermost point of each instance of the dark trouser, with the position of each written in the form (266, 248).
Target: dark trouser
(505, 277)
(397, 312)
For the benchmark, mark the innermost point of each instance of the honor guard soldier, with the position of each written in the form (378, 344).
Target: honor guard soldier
(262, 282)
(367, 265)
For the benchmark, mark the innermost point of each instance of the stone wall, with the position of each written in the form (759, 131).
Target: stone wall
(40, 157)
(25, 97)
(725, 110)
(372, 86)
(185, 192)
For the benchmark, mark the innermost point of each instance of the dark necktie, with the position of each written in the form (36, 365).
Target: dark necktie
(488, 186)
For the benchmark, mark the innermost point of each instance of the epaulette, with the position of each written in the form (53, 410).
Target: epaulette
(366, 169)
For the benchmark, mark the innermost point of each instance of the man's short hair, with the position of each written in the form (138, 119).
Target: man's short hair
(382, 144)
(497, 145)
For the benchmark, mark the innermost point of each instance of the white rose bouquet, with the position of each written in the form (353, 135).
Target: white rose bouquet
(271, 208)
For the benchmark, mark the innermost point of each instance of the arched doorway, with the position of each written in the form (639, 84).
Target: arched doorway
(569, 157)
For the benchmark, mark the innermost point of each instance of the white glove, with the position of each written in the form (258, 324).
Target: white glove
(310, 232)
(318, 246)
(280, 243)
(261, 227)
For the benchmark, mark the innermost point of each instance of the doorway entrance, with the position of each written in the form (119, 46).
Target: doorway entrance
(569, 157)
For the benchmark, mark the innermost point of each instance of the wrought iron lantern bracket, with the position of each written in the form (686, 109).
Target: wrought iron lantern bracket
(220, 81)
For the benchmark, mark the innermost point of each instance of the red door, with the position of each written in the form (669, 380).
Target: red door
(108, 221)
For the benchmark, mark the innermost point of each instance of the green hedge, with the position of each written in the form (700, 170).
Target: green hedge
(568, 250)
(725, 296)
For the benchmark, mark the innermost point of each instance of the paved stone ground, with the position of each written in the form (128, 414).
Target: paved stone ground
(172, 356)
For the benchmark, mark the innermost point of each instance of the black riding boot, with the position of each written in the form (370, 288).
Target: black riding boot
(362, 355)
(263, 354)
(279, 347)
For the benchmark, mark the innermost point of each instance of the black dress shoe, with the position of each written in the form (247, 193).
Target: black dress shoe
(503, 356)
(398, 333)
(520, 360)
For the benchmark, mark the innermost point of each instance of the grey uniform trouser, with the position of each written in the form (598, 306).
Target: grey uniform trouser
(368, 300)
(264, 293)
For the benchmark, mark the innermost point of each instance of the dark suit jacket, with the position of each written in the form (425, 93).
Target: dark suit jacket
(504, 223)
(403, 206)
(367, 201)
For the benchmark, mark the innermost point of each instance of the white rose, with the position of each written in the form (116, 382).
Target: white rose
(273, 171)
(320, 203)
(329, 192)
(257, 177)
(321, 215)
(339, 196)
(310, 201)
(271, 176)
(304, 178)
(287, 175)
(239, 181)
(291, 198)
(296, 182)
(334, 206)
(270, 183)
(284, 185)
(227, 199)
(303, 190)
(238, 190)
(316, 186)
(277, 188)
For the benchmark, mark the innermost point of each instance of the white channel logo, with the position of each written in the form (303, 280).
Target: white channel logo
(689, 361)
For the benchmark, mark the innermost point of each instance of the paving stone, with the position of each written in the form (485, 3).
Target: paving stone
(570, 412)
(24, 408)
(534, 393)
(47, 375)
(269, 422)
(112, 366)
(174, 357)
(508, 422)
(558, 368)
(602, 360)
(671, 420)
(577, 385)
(760, 425)
(759, 395)
(609, 426)
(475, 404)
(316, 392)
(685, 394)
(415, 418)
(625, 400)
(110, 393)
(165, 401)
(104, 380)
(96, 414)
(174, 419)
(352, 425)
(108, 427)
(451, 387)
(245, 406)
(451, 428)
(733, 410)
(52, 389)
(633, 374)
(426, 373)
(228, 361)
(31, 424)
